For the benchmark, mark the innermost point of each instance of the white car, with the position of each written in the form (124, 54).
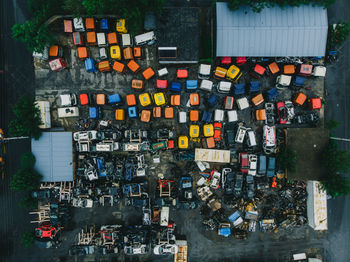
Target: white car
(68, 100)
(269, 139)
(224, 172)
(215, 180)
(241, 131)
(85, 135)
(290, 110)
(253, 163)
(165, 249)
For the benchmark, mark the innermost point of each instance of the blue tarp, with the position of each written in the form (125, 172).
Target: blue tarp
(191, 85)
(239, 89)
(226, 231)
(114, 99)
(254, 87)
(234, 216)
(272, 93)
(299, 81)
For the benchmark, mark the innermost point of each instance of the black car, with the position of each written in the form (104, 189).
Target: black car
(238, 185)
(230, 183)
(230, 138)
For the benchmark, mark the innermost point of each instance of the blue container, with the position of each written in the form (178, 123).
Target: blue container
(93, 112)
(206, 118)
(212, 100)
(104, 24)
(90, 65)
(191, 85)
(254, 87)
(132, 111)
(175, 87)
(239, 89)
(114, 99)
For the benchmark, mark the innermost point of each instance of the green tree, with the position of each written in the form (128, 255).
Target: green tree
(334, 159)
(336, 184)
(338, 35)
(336, 162)
(27, 118)
(332, 124)
(26, 178)
(287, 159)
(29, 202)
(28, 238)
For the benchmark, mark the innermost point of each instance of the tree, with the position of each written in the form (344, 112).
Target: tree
(28, 238)
(338, 35)
(332, 124)
(336, 184)
(29, 202)
(287, 159)
(26, 178)
(336, 162)
(27, 119)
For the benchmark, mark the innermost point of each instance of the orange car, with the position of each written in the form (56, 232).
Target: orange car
(82, 52)
(169, 112)
(100, 99)
(258, 99)
(133, 66)
(131, 100)
(55, 51)
(145, 116)
(119, 114)
(208, 142)
(90, 23)
(175, 100)
(137, 84)
(300, 99)
(194, 115)
(104, 66)
(91, 38)
(274, 69)
(112, 38)
(148, 73)
(194, 99)
(260, 114)
(127, 52)
(137, 52)
(157, 111)
(289, 69)
(119, 67)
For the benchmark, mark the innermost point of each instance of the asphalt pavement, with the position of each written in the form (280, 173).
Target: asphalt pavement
(18, 78)
(338, 108)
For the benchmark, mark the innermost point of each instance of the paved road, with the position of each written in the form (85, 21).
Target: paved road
(338, 108)
(17, 78)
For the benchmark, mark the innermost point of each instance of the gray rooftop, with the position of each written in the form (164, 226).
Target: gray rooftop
(291, 31)
(54, 157)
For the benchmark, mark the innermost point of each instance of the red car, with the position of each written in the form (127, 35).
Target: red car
(217, 131)
(282, 112)
(45, 231)
(244, 162)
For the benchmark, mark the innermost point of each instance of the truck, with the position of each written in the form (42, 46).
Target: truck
(316, 206)
(68, 112)
(181, 255)
(164, 217)
(212, 155)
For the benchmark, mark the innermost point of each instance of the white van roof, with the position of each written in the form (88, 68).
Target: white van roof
(144, 38)
(101, 39)
(251, 136)
(126, 40)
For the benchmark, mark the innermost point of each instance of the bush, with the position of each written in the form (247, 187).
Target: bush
(27, 119)
(336, 162)
(29, 202)
(28, 238)
(26, 178)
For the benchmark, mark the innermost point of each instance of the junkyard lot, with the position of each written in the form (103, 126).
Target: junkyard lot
(225, 249)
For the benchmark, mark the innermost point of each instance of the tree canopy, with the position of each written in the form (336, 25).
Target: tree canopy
(27, 118)
(287, 159)
(26, 178)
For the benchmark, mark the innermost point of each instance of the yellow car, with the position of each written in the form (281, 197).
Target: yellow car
(120, 26)
(115, 52)
(183, 142)
(194, 131)
(208, 130)
(145, 99)
(220, 72)
(159, 99)
(233, 73)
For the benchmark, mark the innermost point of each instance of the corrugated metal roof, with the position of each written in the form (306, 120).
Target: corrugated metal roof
(291, 31)
(54, 157)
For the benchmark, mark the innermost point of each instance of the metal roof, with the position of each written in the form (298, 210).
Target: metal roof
(54, 157)
(291, 31)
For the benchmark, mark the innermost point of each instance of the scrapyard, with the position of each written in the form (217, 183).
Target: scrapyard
(147, 149)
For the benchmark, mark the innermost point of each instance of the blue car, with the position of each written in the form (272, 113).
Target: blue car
(90, 65)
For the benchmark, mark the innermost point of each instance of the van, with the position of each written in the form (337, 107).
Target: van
(224, 87)
(241, 131)
(182, 117)
(78, 24)
(103, 53)
(68, 112)
(126, 40)
(164, 216)
(206, 85)
(271, 167)
(101, 39)
(107, 146)
(251, 141)
(146, 38)
(262, 166)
